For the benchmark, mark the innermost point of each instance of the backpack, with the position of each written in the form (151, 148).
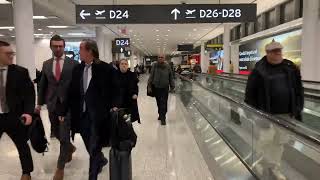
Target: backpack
(37, 135)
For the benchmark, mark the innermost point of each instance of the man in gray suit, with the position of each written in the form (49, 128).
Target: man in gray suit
(54, 84)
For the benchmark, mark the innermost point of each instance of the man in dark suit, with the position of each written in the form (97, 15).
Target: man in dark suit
(17, 99)
(54, 84)
(90, 100)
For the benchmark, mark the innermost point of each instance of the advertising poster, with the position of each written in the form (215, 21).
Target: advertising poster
(252, 52)
(72, 50)
(216, 58)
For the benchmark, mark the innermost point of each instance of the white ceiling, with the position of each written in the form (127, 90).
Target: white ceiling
(147, 34)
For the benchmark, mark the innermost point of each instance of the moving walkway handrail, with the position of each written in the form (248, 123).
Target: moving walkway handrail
(304, 81)
(292, 126)
(244, 81)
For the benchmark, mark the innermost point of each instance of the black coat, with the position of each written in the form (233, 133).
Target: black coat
(258, 87)
(128, 85)
(98, 98)
(20, 94)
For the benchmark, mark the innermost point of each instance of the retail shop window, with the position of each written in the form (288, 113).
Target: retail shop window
(271, 19)
(259, 24)
(288, 11)
(301, 9)
(238, 32)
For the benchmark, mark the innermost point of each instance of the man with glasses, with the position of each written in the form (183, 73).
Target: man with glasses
(160, 79)
(54, 83)
(17, 99)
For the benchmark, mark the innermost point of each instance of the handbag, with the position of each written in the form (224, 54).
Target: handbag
(150, 90)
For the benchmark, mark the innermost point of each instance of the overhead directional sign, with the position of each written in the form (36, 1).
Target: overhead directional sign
(165, 14)
(121, 45)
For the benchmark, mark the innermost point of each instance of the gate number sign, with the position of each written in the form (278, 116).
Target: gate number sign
(165, 14)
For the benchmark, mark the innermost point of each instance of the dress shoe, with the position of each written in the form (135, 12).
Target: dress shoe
(163, 122)
(25, 177)
(72, 150)
(103, 162)
(59, 174)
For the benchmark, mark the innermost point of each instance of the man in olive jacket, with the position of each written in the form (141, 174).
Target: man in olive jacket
(160, 79)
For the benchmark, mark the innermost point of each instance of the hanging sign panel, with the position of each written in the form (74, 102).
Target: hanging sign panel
(165, 14)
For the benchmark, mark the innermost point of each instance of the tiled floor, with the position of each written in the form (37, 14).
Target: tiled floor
(162, 152)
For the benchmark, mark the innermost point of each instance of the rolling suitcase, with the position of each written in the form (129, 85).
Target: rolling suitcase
(123, 139)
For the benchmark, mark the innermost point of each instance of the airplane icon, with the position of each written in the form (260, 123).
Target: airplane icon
(190, 12)
(99, 13)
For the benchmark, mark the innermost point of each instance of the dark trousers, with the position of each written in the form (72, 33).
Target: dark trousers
(161, 95)
(62, 133)
(91, 141)
(18, 134)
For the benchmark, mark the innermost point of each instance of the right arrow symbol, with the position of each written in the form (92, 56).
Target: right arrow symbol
(175, 12)
(83, 14)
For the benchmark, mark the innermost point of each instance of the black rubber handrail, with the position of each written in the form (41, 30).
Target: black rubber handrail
(305, 81)
(292, 126)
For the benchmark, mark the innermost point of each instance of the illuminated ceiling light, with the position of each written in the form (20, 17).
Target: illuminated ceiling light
(38, 34)
(158, 35)
(169, 30)
(157, 30)
(194, 29)
(76, 34)
(39, 29)
(57, 27)
(1, 35)
(39, 17)
(134, 35)
(7, 27)
(4, 2)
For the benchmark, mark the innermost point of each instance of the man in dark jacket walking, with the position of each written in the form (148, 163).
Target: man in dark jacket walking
(275, 87)
(90, 100)
(161, 78)
(275, 84)
(17, 99)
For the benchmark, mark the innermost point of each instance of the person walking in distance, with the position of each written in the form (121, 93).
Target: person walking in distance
(54, 83)
(17, 99)
(160, 79)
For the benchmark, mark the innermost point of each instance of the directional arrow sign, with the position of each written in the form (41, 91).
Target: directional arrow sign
(175, 12)
(121, 50)
(83, 14)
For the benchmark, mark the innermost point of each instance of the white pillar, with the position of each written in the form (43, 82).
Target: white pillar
(235, 58)
(204, 61)
(23, 21)
(226, 48)
(107, 49)
(310, 64)
(100, 42)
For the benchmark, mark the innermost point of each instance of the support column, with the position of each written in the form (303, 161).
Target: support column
(204, 61)
(23, 21)
(226, 48)
(100, 42)
(310, 64)
(107, 49)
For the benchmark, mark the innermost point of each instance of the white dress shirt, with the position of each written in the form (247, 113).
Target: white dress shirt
(61, 61)
(5, 72)
(89, 75)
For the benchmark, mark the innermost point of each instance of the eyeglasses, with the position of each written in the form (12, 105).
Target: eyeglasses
(10, 53)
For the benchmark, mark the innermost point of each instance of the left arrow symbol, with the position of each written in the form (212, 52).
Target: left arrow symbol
(83, 14)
